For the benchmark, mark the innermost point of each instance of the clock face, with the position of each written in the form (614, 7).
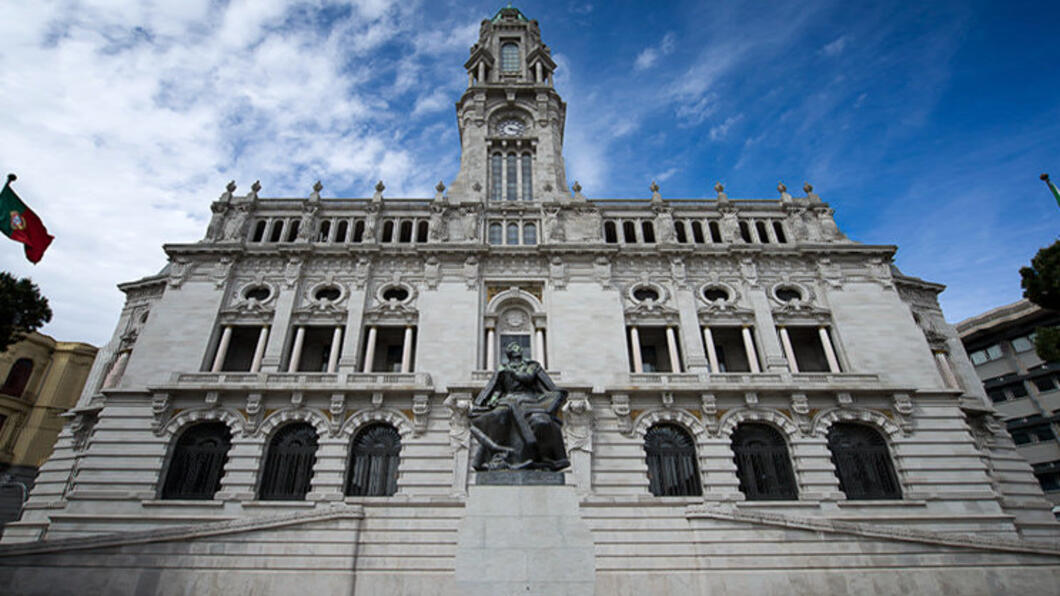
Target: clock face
(511, 128)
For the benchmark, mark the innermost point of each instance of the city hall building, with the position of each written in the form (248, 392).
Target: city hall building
(756, 403)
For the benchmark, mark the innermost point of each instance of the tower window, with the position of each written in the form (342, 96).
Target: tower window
(495, 233)
(513, 234)
(610, 233)
(510, 57)
(512, 173)
(697, 232)
(18, 377)
(528, 183)
(259, 232)
(529, 233)
(496, 180)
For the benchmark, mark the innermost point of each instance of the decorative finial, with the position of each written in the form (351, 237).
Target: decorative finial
(440, 187)
(317, 186)
(379, 187)
(781, 187)
(11, 178)
(719, 187)
(807, 187)
(654, 187)
(231, 187)
(577, 187)
(1044, 177)
(477, 186)
(256, 186)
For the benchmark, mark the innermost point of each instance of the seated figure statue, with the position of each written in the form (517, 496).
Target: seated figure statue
(514, 418)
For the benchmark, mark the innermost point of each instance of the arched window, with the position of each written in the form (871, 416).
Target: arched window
(679, 232)
(197, 462)
(715, 232)
(374, 458)
(388, 231)
(18, 377)
(528, 179)
(325, 231)
(341, 231)
(289, 461)
(745, 232)
(259, 232)
(779, 229)
(647, 231)
(421, 231)
(529, 233)
(496, 177)
(496, 235)
(672, 469)
(629, 232)
(510, 57)
(862, 462)
(697, 232)
(406, 232)
(277, 231)
(762, 463)
(292, 232)
(763, 235)
(513, 234)
(511, 175)
(358, 231)
(610, 233)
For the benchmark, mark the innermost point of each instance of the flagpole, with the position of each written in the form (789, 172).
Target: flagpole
(1052, 188)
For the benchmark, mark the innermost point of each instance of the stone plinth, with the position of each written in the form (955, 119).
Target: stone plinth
(519, 478)
(524, 540)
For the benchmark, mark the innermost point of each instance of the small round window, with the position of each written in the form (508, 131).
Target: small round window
(328, 293)
(646, 293)
(259, 293)
(396, 293)
(788, 294)
(716, 294)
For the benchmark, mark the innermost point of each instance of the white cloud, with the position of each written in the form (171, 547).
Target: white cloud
(649, 56)
(720, 131)
(835, 47)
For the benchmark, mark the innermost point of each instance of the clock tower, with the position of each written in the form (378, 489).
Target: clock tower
(510, 118)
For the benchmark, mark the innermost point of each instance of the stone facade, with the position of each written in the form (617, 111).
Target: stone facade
(704, 318)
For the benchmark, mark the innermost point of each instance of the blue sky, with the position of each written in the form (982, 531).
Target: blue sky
(925, 125)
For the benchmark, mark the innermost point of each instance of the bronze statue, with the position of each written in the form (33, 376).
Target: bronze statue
(514, 418)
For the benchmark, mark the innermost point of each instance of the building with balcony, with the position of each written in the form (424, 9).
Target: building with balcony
(42, 378)
(756, 401)
(1024, 390)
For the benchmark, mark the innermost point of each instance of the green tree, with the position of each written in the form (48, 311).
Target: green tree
(22, 309)
(1041, 285)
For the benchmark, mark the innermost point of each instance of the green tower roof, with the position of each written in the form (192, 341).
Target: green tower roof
(509, 11)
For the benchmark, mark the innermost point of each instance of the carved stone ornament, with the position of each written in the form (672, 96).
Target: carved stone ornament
(421, 409)
(578, 424)
(620, 408)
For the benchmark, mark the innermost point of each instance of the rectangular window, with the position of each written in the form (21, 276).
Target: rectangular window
(1023, 344)
(654, 350)
(528, 181)
(1046, 383)
(809, 353)
(240, 353)
(316, 349)
(496, 177)
(730, 349)
(390, 351)
(511, 178)
(986, 354)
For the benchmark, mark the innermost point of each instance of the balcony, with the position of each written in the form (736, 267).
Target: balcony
(743, 380)
(301, 380)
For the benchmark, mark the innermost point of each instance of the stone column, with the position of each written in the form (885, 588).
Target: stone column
(712, 352)
(336, 346)
(829, 352)
(406, 350)
(259, 350)
(634, 341)
(491, 347)
(369, 353)
(671, 347)
(116, 370)
(539, 345)
(481, 73)
(749, 348)
(789, 353)
(539, 77)
(222, 349)
(947, 370)
(296, 350)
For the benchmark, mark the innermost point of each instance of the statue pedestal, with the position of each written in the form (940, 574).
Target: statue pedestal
(519, 478)
(524, 539)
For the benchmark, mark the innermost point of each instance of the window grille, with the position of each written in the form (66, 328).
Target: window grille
(528, 181)
(513, 188)
(510, 57)
(672, 469)
(862, 462)
(374, 459)
(496, 180)
(197, 462)
(289, 463)
(762, 463)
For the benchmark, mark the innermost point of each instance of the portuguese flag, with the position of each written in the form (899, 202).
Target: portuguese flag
(19, 223)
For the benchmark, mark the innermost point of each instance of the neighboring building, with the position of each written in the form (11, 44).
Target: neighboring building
(42, 378)
(1024, 389)
(757, 403)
